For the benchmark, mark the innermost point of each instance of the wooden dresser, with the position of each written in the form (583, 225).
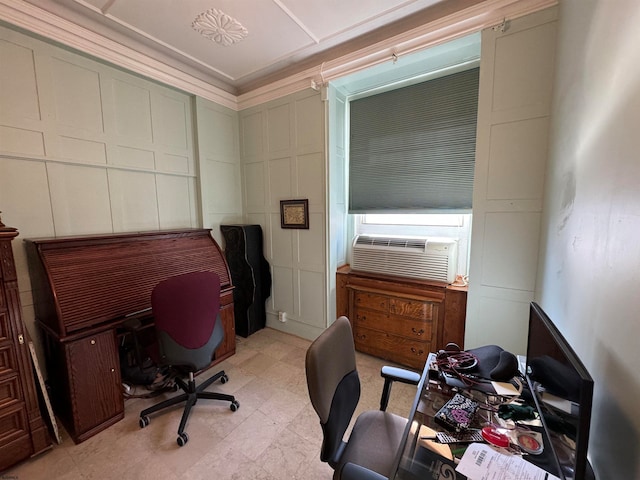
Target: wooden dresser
(400, 319)
(85, 288)
(22, 431)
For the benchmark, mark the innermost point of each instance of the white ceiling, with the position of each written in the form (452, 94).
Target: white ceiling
(281, 34)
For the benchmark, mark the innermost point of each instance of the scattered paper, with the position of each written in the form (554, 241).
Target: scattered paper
(505, 389)
(483, 462)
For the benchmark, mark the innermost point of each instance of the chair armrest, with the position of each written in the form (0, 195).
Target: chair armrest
(400, 375)
(351, 471)
(394, 374)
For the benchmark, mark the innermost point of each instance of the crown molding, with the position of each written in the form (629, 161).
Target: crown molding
(479, 15)
(41, 22)
(292, 84)
(483, 15)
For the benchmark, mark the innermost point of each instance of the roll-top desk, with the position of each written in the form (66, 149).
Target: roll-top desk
(400, 319)
(84, 288)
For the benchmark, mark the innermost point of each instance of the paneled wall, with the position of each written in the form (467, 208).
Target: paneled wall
(283, 158)
(87, 148)
(337, 190)
(516, 79)
(218, 154)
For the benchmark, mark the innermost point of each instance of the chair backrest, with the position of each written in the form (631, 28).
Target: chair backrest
(334, 385)
(186, 310)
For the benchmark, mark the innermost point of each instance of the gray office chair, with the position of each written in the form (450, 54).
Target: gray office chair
(186, 311)
(334, 389)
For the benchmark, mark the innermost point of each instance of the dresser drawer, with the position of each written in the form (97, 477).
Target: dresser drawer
(404, 327)
(371, 301)
(411, 308)
(404, 351)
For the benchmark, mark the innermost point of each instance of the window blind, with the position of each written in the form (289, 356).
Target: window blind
(413, 148)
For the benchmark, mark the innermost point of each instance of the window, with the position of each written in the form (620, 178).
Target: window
(413, 149)
(442, 220)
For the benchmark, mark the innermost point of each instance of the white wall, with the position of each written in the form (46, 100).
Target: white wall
(283, 158)
(589, 269)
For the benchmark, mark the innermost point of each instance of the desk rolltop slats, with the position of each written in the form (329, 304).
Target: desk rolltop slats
(84, 282)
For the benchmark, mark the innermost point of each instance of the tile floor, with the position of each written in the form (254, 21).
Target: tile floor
(274, 435)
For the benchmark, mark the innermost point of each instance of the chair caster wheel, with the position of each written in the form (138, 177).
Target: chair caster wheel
(182, 439)
(235, 405)
(224, 379)
(144, 421)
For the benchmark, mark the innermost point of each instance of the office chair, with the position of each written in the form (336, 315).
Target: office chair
(334, 389)
(187, 320)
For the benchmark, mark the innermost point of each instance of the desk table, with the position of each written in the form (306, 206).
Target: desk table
(422, 459)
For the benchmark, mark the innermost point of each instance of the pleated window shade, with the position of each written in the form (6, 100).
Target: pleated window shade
(413, 149)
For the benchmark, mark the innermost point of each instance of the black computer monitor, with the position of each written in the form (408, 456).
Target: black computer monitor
(562, 389)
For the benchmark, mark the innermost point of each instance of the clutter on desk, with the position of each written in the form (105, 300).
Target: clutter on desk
(457, 414)
(510, 411)
(530, 442)
(484, 461)
(455, 417)
(479, 368)
(495, 437)
(432, 461)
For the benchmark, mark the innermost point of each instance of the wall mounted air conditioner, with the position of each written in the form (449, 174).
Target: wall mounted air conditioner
(414, 257)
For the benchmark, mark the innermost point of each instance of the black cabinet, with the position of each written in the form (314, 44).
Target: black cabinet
(250, 276)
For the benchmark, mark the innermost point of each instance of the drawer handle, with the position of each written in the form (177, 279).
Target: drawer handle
(93, 342)
(361, 337)
(419, 353)
(417, 332)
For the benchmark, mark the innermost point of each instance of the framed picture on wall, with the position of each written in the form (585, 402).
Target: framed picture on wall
(294, 213)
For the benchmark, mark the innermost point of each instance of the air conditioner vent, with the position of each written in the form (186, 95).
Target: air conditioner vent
(398, 242)
(429, 259)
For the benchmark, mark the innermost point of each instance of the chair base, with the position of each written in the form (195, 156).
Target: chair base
(190, 397)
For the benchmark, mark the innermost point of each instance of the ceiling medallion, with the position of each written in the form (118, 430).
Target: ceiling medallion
(219, 27)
